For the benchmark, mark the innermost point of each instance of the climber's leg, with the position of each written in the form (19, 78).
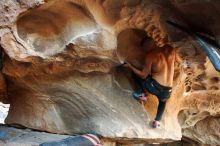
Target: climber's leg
(163, 96)
(162, 92)
(138, 93)
(160, 111)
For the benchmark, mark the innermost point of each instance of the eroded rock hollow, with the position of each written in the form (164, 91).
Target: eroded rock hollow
(61, 69)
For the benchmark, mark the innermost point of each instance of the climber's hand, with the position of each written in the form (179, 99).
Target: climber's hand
(126, 64)
(155, 124)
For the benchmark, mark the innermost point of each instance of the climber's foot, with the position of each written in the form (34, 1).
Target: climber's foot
(139, 96)
(156, 124)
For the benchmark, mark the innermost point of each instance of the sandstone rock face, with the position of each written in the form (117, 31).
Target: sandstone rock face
(199, 114)
(62, 70)
(27, 137)
(18, 137)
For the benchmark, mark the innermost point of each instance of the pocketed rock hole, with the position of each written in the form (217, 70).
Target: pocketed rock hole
(214, 80)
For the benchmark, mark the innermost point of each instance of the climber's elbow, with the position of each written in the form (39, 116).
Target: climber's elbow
(143, 76)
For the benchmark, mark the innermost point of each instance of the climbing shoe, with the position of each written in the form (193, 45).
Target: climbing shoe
(139, 96)
(155, 124)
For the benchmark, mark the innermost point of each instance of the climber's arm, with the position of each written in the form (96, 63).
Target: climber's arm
(178, 58)
(140, 73)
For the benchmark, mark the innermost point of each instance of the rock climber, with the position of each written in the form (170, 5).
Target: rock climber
(155, 77)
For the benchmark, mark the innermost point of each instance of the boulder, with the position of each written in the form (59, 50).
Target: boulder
(62, 68)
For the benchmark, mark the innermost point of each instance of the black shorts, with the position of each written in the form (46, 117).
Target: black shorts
(162, 92)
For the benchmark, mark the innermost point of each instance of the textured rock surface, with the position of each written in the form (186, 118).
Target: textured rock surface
(27, 137)
(62, 74)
